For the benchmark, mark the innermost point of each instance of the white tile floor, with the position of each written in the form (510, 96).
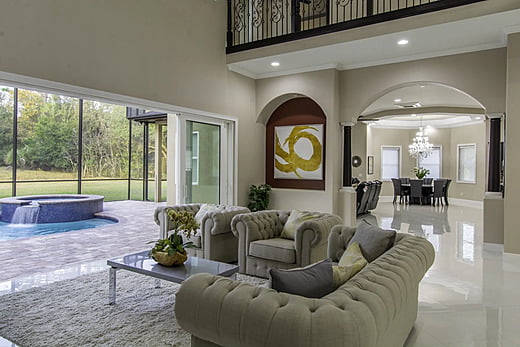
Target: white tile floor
(469, 297)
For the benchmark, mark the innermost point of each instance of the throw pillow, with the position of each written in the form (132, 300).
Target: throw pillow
(313, 281)
(205, 209)
(295, 219)
(373, 240)
(351, 262)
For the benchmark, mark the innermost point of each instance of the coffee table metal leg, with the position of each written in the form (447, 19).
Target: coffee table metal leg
(112, 286)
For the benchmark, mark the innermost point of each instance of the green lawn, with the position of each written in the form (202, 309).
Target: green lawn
(111, 190)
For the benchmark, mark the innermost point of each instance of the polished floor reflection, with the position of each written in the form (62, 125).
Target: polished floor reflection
(470, 296)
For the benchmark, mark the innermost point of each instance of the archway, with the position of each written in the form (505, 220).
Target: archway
(455, 123)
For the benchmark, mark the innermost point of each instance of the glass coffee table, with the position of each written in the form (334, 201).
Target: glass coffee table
(143, 264)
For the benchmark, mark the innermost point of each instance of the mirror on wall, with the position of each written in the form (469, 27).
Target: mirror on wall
(356, 161)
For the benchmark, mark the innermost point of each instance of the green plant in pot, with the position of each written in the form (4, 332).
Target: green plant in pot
(172, 250)
(258, 197)
(420, 172)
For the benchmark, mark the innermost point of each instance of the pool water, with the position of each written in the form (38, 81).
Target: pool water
(16, 231)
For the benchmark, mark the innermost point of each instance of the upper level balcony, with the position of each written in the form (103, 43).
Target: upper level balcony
(259, 23)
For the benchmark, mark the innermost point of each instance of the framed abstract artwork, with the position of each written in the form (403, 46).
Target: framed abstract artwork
(299, 152)
(295, 146)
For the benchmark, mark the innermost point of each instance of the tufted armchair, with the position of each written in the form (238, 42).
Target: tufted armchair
(214, 240)
(260, 247)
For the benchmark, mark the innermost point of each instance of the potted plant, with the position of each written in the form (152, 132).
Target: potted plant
(172, 250)
(420, 172)
(258, 197)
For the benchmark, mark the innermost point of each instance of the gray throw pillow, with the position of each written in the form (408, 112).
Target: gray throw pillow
(313, 281)
(373, 240)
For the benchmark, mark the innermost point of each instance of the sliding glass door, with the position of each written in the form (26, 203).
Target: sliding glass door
(206, 160)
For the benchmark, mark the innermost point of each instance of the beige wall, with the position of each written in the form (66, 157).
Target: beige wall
(153, 50)
(512, 196)
(464, 135)
(447, 138)
(321, 86)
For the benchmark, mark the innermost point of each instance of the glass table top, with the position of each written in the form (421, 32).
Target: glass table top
(141, 262)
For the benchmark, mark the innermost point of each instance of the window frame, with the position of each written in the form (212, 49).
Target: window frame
(466, 145)
(195, 156)
(383, 147)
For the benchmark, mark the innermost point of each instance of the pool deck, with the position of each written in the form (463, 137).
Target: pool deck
(40, 254)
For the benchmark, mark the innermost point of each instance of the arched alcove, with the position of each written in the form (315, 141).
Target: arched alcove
(295, 145)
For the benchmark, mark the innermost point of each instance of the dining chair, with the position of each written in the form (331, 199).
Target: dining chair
(416, 190)
(405, 188)
(438, 191)
(428, 181)
(445, 191)
(397, 190)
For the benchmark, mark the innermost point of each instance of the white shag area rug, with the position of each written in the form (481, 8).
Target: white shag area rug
(76, 313)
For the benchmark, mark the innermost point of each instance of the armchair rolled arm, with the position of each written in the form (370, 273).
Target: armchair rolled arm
(317, 230)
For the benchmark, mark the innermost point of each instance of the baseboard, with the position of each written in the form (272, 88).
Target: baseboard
(493, 247)
(452, 201)
(466, 203)
(511, 262)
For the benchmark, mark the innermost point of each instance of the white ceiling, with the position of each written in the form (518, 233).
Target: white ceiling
(467, 35)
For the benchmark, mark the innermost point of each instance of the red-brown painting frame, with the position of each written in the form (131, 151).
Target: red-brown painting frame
(298, 111)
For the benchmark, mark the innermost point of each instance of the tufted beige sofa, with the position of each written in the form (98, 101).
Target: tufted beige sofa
(260, 247)
(214, 240)
(377, 307)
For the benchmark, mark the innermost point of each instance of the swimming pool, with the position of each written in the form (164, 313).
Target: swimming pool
(16, 231)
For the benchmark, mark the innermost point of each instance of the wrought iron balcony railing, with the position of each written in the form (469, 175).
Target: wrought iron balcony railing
(258, 23)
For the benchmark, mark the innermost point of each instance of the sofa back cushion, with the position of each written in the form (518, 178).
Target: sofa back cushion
(373, 240)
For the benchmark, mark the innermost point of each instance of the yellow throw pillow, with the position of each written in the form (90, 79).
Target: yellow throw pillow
(351, 262)
(296, 218)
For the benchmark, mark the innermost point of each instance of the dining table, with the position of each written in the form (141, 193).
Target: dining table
(427, 190)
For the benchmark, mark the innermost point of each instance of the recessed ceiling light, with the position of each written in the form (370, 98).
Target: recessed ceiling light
(477, 118)
(414, 115)
(422, 86)
(275, 63)
(402, 42)
(397, 100)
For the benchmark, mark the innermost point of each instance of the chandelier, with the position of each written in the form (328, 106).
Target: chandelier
(420, 147)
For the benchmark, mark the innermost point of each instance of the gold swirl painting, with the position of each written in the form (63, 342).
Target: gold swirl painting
(298, 152)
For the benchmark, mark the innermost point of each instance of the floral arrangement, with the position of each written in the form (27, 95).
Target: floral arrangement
(420, 172)
(181, 223)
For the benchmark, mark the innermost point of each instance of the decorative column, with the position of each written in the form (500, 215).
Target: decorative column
(347, 194)
(347, 155)
(493, 199)
(495, 157)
